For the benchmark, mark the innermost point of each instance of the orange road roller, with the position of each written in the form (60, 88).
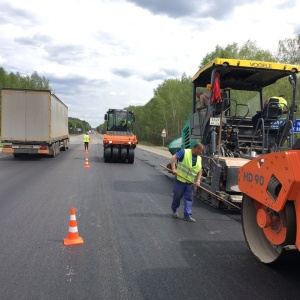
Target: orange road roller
(270, 210)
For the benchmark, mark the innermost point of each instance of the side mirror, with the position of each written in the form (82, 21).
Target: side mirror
(105, 117)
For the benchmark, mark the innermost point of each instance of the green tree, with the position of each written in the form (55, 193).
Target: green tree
(248, 51)
(77, 126)
(289, 51)
(39, 83)
(171, 103)
(166, 110)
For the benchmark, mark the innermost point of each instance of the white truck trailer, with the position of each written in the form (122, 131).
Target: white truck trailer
(33, 122)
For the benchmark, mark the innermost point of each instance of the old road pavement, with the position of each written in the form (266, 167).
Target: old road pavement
(133, 248)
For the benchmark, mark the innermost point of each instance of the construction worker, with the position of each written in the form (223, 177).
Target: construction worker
(86, 140)
(281, 103)
(188, 173)
(202, 100)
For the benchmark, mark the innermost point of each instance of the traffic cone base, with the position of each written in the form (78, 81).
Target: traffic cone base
(68, 242)
(73, 235)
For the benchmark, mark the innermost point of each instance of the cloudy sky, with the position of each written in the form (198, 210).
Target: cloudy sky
(101, 54)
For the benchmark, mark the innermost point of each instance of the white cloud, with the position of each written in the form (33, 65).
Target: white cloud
(102, 54)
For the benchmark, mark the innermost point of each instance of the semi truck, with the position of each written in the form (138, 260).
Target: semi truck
(33, 122)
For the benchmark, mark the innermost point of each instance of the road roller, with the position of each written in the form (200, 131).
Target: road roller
(119, 141)
(270, 185)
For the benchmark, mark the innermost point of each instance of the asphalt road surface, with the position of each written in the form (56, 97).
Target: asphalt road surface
(133, 248)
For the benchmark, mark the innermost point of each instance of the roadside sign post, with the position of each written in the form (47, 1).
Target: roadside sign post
(163, 135)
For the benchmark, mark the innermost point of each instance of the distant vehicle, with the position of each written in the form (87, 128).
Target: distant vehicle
(33, 122)
(119, 141)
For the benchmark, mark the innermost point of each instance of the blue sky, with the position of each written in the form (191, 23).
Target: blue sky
(101, 54)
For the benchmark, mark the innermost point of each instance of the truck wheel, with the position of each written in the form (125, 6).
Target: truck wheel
(107, 154)
(64, 147)
(123, 155)
(57, 148)
(53, 148)
(130, 155)
(115, 154)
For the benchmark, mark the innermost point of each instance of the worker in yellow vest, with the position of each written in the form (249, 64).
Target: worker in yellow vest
(188, 173)
(86, 140)
(281, 103)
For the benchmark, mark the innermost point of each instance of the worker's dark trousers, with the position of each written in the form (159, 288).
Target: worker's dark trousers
(185, 190)
(86, 146)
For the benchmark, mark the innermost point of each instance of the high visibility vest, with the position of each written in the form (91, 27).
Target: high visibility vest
(86, 138)
(281, 101)
(186, 169)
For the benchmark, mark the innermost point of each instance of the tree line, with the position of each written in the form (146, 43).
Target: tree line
(77, 126)
(171, 104)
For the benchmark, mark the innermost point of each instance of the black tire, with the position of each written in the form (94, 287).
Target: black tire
(115, 154)
(123, 155)
(107, 154)
(64, 147)
(261, 247)
(130, 155)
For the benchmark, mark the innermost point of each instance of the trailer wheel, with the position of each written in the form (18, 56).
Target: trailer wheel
(123, 155)
(131, 155)
(57, 148)
(53, 149)
(64, 147)
(115, 154)
(107, 154)
(266, 231)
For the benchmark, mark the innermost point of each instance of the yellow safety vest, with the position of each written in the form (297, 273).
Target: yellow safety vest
(86, 138)
(281, 101)
(186, 169)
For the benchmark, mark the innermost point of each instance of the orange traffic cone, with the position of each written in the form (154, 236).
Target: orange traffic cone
(86, 165)
(73, 235)
(86, 151)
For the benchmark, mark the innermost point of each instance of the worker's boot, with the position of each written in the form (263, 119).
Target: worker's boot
(189, 219)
